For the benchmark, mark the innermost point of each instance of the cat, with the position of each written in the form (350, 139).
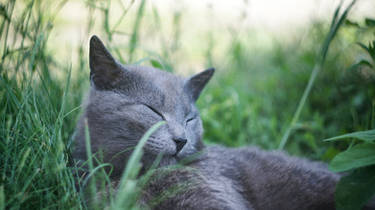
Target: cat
(126, 100)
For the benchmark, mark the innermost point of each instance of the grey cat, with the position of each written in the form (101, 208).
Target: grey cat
(125, 101)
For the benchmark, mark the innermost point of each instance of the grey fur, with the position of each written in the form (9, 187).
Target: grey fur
(124, 101)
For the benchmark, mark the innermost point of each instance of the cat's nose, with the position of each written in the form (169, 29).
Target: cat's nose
(180, 143)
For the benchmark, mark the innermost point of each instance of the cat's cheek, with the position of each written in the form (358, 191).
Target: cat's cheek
(158, 148)
(161, 142)
(194, 131)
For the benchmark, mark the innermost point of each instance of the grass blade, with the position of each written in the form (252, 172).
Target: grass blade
(367, 136)
(127, 186)
(355, 157)
(317, 68)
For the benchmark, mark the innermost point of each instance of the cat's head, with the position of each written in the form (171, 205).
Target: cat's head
(125, 101)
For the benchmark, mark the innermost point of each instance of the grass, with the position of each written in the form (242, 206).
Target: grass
(337, 22)
(250, 101)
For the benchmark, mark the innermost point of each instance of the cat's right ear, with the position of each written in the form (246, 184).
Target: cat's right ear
(104, 70)
(196, 83)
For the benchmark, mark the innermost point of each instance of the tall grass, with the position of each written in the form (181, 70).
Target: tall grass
(34, 109)
(337, 22)
(38, 113)
(250, 101)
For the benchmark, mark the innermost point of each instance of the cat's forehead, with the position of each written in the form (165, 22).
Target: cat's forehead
(157, 88)
(162, 79)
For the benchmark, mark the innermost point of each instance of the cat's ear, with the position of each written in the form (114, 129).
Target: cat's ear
(195, 84)
(104, 70)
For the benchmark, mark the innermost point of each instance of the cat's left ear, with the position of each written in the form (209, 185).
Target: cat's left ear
(195, 84)
(105, 71)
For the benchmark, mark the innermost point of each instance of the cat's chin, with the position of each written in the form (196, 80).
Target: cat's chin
(186, 152)
(166, 160)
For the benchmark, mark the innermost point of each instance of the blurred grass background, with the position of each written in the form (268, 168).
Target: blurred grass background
(263, 52)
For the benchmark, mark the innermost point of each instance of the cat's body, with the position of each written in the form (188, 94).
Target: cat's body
(248, 178)
(125, 101)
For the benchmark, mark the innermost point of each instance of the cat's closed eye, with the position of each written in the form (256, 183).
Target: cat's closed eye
(154, 110)
(189, 120)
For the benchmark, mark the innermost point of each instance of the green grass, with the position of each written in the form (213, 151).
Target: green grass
(250, 101)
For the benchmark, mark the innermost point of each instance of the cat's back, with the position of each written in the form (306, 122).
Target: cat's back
(269, 179)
